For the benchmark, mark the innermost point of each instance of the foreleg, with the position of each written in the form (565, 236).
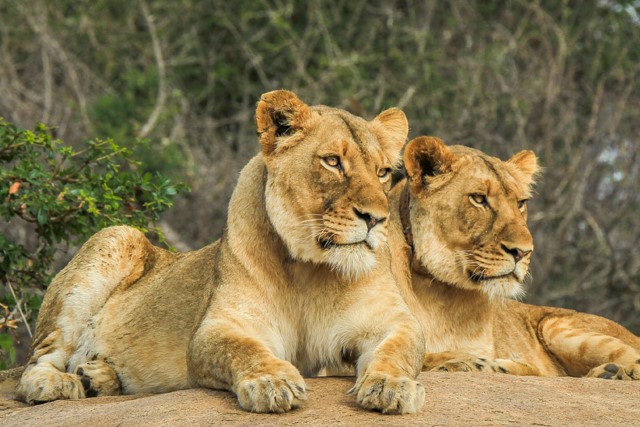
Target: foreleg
(223, 355)
(387, 367)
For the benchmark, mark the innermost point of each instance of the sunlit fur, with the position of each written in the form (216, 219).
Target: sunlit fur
(468, 217)
(299, 281)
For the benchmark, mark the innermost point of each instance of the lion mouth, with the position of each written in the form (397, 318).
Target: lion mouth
(327, 244)
(482, 277)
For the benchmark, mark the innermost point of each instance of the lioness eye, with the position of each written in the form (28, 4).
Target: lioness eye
(384, 174)
(333, 162)
(522, 204)
(479, 199)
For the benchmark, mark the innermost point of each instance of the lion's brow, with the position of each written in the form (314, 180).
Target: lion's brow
(494, 171)
(355, 134)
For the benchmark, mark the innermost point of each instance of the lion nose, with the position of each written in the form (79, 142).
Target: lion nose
(369, 219)
(517, 253)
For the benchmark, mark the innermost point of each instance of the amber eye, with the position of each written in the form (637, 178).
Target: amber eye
(479, 199)
(522, 205)
(332, 162)
(384, 174)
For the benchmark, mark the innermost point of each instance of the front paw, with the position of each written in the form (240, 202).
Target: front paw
(274, 390)
(389, 394)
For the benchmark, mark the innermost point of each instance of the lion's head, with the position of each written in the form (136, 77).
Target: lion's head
(328, 177)
(468, 214)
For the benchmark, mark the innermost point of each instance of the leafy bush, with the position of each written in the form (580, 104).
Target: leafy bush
(65, 196)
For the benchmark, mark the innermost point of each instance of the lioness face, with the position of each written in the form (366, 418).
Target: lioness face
(469, 215)
(328, 177)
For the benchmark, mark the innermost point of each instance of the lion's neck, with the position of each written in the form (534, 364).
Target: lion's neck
(453, 318)
(252, 238)
(249, 234)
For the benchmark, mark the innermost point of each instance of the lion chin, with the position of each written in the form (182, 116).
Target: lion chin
(501, 287)
(351, 261)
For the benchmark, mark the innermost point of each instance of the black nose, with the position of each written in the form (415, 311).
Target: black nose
(517, 253)
(369, 219)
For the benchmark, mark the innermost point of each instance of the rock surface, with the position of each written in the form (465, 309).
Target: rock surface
(452, 399)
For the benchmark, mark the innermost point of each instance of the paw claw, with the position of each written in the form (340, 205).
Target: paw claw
(388, 394)
(277, 392)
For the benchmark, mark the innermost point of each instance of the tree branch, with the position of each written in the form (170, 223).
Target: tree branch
(162, 75)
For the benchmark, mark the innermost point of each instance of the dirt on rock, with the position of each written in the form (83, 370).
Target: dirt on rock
(452, 399)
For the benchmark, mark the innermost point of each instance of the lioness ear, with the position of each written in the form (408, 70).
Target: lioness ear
(426, 156)
(391, 127)
(527, 164)
(280, 114)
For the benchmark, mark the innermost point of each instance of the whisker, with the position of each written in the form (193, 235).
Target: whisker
(310, 216)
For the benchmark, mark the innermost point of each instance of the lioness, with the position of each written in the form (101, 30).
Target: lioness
(464, 217)
(300, 280)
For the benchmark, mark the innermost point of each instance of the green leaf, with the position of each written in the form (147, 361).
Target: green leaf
(6, 341)
(42, 217)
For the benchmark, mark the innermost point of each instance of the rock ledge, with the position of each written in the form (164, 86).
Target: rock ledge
(452, 399)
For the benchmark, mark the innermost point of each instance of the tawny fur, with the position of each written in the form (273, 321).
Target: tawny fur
(465, 268)
(299, 281)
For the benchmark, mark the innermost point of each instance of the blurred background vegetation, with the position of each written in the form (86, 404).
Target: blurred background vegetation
(559, 77)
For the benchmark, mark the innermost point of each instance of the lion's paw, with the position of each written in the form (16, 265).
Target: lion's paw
(98, 379)
(390, 395)
(508, 366)
(40, 385)
(614, 371)
(471, 364)
(278, 391)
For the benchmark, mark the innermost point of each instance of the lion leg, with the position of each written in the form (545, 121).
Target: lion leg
(453, 361)
(223, 356)
(113, 257)
(387, 367)
(583, 347)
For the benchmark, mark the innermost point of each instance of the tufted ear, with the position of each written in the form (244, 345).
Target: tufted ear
(425, 157)
(391, 127)
(526, 163)
(280, 114)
